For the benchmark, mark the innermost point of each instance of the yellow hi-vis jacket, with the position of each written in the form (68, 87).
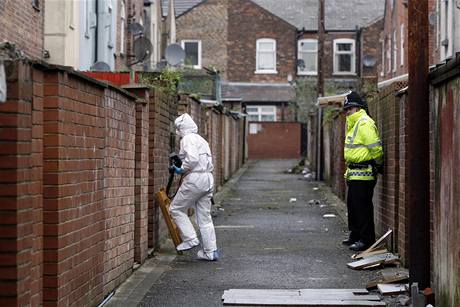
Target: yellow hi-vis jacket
(363, 149)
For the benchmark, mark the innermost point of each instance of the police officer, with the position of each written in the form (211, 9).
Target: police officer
(363, 154)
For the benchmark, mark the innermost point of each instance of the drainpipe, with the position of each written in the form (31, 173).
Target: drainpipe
(96, 38)
(418, 163)
(319, 135)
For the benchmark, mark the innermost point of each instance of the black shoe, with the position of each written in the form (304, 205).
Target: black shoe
(348, 242)
(358, 246)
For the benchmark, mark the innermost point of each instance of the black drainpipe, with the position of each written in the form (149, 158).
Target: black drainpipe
(97, 29)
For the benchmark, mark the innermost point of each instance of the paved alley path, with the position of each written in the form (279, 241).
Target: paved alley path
(265, 241)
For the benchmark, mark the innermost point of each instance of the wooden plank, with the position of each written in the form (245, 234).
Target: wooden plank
(164, 203)
(371, 253)
(311, 294)
(297, 301)
(387, 289)
(387, 258)
(376, 245)
(389, 276)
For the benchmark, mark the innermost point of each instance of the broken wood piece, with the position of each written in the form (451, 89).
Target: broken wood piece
(379, 243)
(302, 297)
(387, 258)
(164, 203)
(389, 276)
(387, 289)
(371, 253)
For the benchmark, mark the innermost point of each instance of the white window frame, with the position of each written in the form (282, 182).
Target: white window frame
(447, 29)
(314, 52)
(395, 51)
(259, 112)
(266, 71)
(382, 71)
(352, 52)
(183, 42)
(403, 47)
(122, 26)
(388, 54)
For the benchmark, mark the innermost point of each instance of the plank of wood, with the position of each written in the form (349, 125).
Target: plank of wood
(377, 243)
(164, 202)
(387, 258)
(389, 276)
(297, 301)
(371, 253)
(387, 289)
(311, 294)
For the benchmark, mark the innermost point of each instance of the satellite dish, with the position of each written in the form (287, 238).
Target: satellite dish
(142, 49)
(174, 54)
(369, 61)
(136, 28)
(100, 66)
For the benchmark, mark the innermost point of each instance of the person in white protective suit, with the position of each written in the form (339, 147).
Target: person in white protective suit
(195, 191)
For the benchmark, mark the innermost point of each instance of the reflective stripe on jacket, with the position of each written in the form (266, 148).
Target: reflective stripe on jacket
(362, 146)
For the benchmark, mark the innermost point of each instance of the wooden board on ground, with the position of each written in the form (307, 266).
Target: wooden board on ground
(301, 297)
(389, 276)
(377, 245)
(164, 202)
(371, 253)
(387, 289)
(372, 261)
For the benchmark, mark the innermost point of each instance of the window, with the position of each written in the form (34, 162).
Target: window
(122, 26)
(402, 51)
(447, 29)
(388, 55)
(382, 72)
(344, 56)
(395, 51)
(266, 56)
(308, 53)
(192, 52)
(261, 113)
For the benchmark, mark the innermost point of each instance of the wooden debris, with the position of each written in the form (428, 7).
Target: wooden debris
(164, 202)
(301, 297)
(372, 261)
(371, 253)
(376, 246)
(387, 289)
(389, 276)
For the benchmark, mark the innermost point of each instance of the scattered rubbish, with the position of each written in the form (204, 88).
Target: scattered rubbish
(404, 300)
(373, 261)
(315, 189)
(329, 215)
(371, 253)
(322, 206)
(289, 171)
(326, 229)
(292, 200)
(387, 289)
(389, 276)
(299, 222)
(314, 202)
(221, 209)
(304, 297)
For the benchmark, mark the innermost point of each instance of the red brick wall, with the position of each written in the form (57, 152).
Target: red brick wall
(21, 235)
(253, 22)
(22, 24)
(286, 136)
(163, 112)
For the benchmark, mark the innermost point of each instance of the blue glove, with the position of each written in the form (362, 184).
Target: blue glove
(178, 170)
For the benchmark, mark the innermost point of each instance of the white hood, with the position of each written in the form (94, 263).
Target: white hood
(185, 125)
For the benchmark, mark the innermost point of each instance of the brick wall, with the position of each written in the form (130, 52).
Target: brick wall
(21, 235)
(207, 23)
(253, 22)
(285, 135)
(23, 25)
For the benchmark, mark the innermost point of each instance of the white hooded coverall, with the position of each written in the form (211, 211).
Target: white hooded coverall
(197, 186)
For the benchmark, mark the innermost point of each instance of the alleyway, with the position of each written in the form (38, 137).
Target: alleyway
(266, 241)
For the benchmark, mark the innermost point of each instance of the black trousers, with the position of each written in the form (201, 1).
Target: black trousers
(361, 211)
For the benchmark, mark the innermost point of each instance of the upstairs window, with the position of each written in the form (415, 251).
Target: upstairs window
(344, 56)
(308, 57)
(261, 113)
(122, 26)
(395, 51)
(447, 29)
(266, 56)
(192, 52)
(403, 49)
